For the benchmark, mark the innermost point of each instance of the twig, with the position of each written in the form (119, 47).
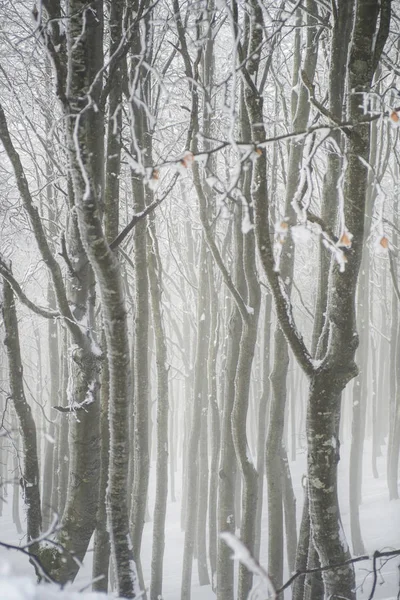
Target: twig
(393, 275)
(356, 559)
(140, 216)
(65, 256)
(375, 577)
(6, 272)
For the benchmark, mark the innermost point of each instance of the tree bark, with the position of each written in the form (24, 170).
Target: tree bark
(195, 428)
(30, 464)
(262, 421)
(160, 507)
(228, 462)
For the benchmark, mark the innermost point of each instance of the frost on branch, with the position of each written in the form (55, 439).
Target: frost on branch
(264, 588)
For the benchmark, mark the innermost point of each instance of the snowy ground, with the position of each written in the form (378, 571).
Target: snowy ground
(380, 522)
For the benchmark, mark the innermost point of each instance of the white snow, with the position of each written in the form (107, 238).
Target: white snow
(17, 587)
(380, 525)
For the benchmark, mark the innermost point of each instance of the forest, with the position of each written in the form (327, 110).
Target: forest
(199, 293)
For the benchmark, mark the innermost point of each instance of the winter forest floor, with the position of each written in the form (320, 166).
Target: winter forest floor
(380, 523)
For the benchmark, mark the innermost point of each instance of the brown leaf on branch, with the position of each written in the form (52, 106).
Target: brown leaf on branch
(384, 242)
(187, 160)
(345, 240)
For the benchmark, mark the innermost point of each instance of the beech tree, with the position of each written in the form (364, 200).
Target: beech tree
(199, 208)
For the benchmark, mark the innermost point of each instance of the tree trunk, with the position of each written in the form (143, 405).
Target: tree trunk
(394, 392)
(262, 421)
(323, 456)
(228, 464)
(63, 426)
(50, 483)
(300, 110)
(86, 163)
(160, 507)
(30, 464)
(195, 428)
(201, 541)
(101, 551)
(215, 427)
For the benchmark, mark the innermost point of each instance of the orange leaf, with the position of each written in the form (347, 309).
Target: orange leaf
(187, 159)
(345, 240)
(284, 225)
(156, 174)
(394, 116)
(259, 151)
(384, 242)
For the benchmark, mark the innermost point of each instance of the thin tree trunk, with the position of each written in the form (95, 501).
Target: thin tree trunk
(50, 461)
(262, 421)
(63, 426)
(289, 505)
(101, 551)
(300, 114)
(195, 429)
(228, 464)
(201, 542)
(16, 479)
(392, 460)
(160, 507)
(215, 427)
(30, 463)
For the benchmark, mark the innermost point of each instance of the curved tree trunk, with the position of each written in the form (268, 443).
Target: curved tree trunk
(86, 162)
(30, 464)
(338, 365)
(339, 50)
(300, 110)
(328, 379)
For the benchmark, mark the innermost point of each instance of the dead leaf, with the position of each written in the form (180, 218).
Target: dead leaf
(187, 160)
(345, 240)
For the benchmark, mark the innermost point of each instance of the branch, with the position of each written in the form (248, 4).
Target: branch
(140, 216)
(243, 555)
(64, 255)
(313, 218)
(39, 233)
(43, 312)
(76, 406)
(349, 561)
(33, 559)
(322, 109)
(383, 32)
(393, 275)
(240, 303)
(55, 44)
